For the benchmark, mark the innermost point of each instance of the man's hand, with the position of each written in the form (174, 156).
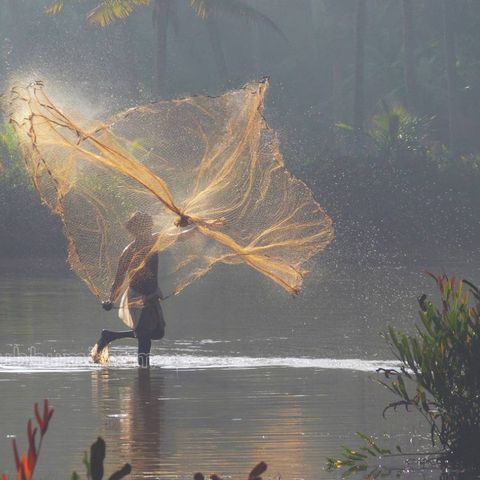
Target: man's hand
(107, 305)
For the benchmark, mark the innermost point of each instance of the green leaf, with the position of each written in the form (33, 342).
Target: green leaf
(344, 126)
(109, 10)
(55, 7)
(235, 8)
(86, 462)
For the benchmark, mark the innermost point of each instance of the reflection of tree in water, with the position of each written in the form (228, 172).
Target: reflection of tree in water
(131, 418)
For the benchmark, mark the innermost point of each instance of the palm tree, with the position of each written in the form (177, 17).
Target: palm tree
(105, 12)
(450, 58)
(109, 10)
(161, 17)
(359, 91)
(409, 56)
(217, 50)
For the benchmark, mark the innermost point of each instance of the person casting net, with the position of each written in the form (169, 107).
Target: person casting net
(207, 170)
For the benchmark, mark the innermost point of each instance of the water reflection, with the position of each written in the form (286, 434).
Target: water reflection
(170, 424)
(133, 418)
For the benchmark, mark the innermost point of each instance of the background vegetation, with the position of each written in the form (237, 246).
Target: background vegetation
(376, 101)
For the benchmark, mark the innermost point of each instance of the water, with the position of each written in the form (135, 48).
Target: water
(245, 373)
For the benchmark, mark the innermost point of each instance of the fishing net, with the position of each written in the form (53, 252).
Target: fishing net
(207, 170)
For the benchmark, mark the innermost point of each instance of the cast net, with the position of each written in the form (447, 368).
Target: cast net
(207, 170)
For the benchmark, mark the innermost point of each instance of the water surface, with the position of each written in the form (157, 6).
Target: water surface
(245, 373)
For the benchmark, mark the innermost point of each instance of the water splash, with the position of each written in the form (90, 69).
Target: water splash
(34, 364)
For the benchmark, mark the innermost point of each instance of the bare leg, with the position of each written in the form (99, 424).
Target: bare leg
(99, 353)
(144, 346)
(109, 336)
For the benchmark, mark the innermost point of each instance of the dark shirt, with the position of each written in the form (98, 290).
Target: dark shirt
(145, 280)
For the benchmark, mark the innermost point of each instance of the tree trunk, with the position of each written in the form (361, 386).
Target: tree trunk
(451, 70)
(256, 45)
(217, 50)
(359, 92)
(11, 44)
(129, 57)
(336, 101)
(161, 13)
(125, 58)
(409, 59)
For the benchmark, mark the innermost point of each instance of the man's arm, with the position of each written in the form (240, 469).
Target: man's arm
(122, 269)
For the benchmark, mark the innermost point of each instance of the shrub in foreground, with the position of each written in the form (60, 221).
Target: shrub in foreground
(438, 376)
(442, 362)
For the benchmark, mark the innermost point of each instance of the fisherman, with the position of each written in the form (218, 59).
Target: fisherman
(140, 301)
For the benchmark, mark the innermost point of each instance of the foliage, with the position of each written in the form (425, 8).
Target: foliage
(439, 377)
(356, 460)
(235, 8)
(255, 474)
(20, 208)
(94, 464)
(442, 362)
(12, 173)
(8, 138)
(395, 138)
(26, 462)
(107, 11)
(399, 136)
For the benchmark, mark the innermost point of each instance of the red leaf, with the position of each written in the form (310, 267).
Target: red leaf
(257, 471)
(39, 418)
(4, 477)
(45, 410)
(32, 453)
(25, 472)
(29, 430)
(47, 415)
(15, 454)
(32, 457)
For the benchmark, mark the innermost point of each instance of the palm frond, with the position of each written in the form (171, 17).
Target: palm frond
(109, 10)
(55, 7)
(235, 8)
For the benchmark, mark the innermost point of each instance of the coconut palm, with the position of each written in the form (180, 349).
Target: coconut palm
(409, 55)
(108, 11)
(450, 58)
(359, 93)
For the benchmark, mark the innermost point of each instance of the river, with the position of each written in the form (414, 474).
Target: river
(245, 372)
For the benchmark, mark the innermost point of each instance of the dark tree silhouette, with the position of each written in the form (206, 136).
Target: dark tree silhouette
(409, 56)
(161, 17)
(450, 57)
(359, 92)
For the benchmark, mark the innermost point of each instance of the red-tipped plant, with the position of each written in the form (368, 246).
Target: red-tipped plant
(26, 462)
(253, 475)
(257, 471)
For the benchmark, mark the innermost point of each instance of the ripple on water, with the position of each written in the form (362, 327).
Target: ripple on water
(32, 364)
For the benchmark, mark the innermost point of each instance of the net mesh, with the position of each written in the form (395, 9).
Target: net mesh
(207, 169)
